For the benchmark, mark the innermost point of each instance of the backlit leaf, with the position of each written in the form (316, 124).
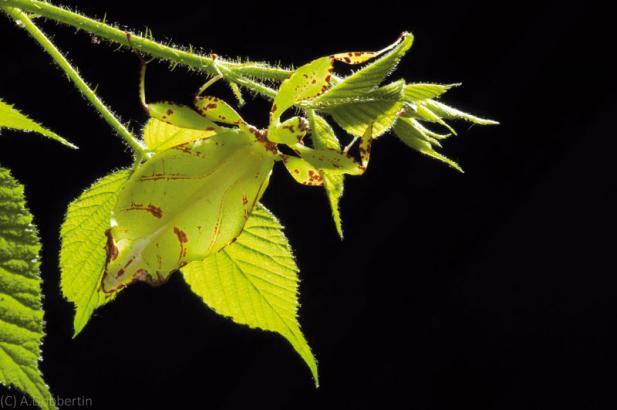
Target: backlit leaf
(356, 116)
(417, 92)
(21, 311)
(254, 281)
(414, 139)
(447, 112)
(10, 117)
(82, 255)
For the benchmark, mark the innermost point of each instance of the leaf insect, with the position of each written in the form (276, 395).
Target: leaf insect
(207, 171)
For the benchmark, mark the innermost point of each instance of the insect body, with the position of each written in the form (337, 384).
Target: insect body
(183, 204)
(209, 168)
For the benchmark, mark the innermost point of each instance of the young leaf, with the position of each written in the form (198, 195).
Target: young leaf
(82, 255)
(369, 77)
(21, 311)
(419, 92)
(425, 114)
(11, 118)
(380, 110)
(414, 139)
(254, 281)
(447, 112)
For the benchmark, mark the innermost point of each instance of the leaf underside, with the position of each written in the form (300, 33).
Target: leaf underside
(21, 312)
(82, 255)
(254, 281)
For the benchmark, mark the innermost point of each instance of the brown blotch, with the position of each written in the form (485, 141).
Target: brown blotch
(182, 238)
(111, 247)
(262, 137)
(151, 208)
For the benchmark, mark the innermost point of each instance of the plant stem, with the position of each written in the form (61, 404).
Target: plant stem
(210, 64)
(74, 76)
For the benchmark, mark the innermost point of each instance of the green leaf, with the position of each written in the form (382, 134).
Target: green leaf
(416, 140)
(324, 138)
(418, 92)
(369, 77)
(380, 110)
(82, 255)
(425, 114)
(450, 113)
(254, 281)
(322, 133)
(11, 118)
(21, 310)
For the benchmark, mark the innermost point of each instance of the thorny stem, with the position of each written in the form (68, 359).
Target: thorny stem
(74, 76)
(238, 73)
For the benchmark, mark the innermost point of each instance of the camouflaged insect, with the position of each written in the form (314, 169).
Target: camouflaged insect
(209, 167)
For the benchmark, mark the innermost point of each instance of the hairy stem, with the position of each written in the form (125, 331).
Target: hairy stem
(210, 64)
(74, 76)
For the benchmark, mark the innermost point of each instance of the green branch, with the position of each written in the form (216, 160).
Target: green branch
(210, 64)
(74, 76)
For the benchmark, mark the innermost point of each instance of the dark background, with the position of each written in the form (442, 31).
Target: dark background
(488, 290)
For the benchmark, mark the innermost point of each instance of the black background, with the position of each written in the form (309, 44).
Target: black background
(488, 290)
